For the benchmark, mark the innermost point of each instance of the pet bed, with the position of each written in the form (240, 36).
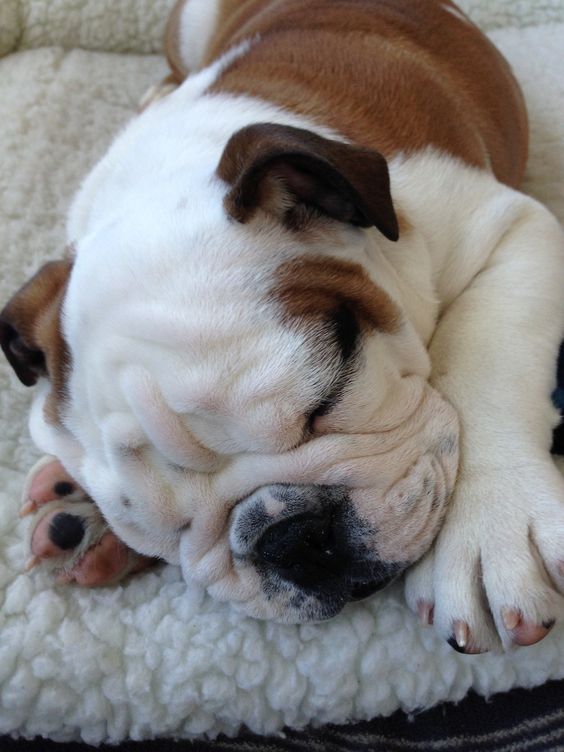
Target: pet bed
(156, 657)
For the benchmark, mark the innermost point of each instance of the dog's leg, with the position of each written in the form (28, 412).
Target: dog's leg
(69, 534)
(497, 566)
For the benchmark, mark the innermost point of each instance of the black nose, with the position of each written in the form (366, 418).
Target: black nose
(311, 551)
(304, 550)
(66, 530)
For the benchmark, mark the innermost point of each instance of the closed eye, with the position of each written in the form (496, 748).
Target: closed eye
(323, 407)
(346, 331)
(346, 335)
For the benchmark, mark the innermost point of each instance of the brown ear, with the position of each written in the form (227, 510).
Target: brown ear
(290, 172)
(30, 325)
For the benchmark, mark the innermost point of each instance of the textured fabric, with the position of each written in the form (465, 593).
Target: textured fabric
(531, 720)
(497, 14)
(137, 25)
(109, 25)
(154, 656)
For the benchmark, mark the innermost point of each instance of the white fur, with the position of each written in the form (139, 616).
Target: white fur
(153, 205)
(175, 362)
(74, 662)
(207, 352)
(500, 283)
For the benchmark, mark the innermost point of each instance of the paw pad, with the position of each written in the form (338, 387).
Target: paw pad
(63, 488)
(68, 533)
(66, 530)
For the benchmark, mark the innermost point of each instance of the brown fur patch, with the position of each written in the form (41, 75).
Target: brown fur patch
(290, 171)
(392, 75)
(312, 288)
(31, 331)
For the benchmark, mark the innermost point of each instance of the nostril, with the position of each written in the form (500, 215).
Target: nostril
(66, 530)
(303, 549)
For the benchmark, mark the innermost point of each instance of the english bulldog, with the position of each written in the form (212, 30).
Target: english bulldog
(304, 335)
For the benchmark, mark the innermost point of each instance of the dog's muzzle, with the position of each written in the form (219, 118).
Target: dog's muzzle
(331, 521)
(309, 537)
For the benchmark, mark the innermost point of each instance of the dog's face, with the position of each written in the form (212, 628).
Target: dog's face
(223, 371)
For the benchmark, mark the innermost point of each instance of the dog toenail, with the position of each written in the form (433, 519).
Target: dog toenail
(32, 562)
(63, 488)
(453, 643)
(425, 611)
(66, 530)
(510, 618)
(461, 633)
(549, 624)
(28, 508)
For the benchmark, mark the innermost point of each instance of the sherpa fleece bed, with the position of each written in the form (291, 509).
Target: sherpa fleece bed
(156, 657)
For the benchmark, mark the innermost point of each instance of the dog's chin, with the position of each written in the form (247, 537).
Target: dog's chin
(362, 590)
(284, 603)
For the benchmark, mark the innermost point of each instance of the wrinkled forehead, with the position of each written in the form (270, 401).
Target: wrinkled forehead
(206, 296)
(154, 337)
(243, 327)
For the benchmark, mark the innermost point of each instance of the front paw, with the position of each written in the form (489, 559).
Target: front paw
(69, 534)
(496, 573)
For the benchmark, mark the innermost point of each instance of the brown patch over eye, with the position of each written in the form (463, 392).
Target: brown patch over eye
(322, 288)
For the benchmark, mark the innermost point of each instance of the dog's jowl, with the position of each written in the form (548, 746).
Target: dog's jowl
(304, 335)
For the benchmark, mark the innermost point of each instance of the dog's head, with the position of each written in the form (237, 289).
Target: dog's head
(224, 366)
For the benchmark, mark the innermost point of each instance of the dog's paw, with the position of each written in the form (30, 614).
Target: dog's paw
(496, 573)
(69, 534)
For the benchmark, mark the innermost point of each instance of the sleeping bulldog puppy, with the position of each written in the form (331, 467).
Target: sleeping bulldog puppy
(285, 280)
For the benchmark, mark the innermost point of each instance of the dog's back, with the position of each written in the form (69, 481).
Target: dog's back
(393, 75)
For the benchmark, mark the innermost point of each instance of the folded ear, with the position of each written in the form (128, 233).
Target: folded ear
(30, 333)
(296, 174)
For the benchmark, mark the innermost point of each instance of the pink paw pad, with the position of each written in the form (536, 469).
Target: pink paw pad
(105, 563)
(70, 534)
(46, 481)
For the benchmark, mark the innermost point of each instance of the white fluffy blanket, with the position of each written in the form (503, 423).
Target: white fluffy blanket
(156, 657)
